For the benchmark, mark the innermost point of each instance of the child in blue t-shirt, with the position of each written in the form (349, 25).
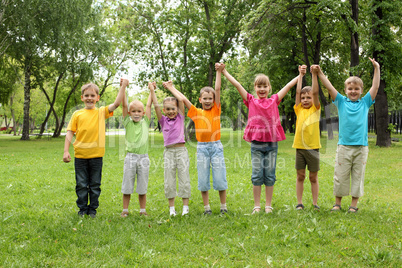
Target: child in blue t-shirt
(352, 151)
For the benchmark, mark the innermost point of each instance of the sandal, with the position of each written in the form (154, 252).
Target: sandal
(256, 210)
(336, 208)
(124, 214)
(353, 209)
(316, 207)
(300, 207)
(268, 209)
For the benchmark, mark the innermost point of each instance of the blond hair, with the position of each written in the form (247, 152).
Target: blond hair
(354, 79)
(306, 89)
(262, 79)
(208, 90)
(171, 99)
(136, 102)
(90, 86)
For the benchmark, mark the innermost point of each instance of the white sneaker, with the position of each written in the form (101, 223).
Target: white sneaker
(185, 212)
(173, 213)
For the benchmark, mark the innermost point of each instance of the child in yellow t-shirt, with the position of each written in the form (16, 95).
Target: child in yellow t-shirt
(307, 138)
(88, 125)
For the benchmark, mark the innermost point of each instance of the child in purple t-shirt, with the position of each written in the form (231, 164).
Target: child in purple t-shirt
(263, 130)
(175, 154)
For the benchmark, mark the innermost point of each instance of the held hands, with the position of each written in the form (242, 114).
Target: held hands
(219, 66)
(168, 85)
(152, 86)
(302, 70)
(315, 69)
(124, 82)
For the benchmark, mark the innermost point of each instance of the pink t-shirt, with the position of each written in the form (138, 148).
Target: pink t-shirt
(264, 124)
(172, 129)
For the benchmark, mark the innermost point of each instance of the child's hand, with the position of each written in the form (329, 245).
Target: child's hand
(302, 70)
(219, 66)
(124, 82)
(66, 157)
(168, 85)
(152, 86)
(375, 64)
(315, 69)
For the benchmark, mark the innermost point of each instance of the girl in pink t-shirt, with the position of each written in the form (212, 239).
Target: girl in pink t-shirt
(263, 130)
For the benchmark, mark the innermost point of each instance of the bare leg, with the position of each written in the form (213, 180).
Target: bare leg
(222, 196)
(257, 195)
(171, 202)
(301, 175)
(126, 200)
(142, 199)
(314, 186)
(269, 191)
(338, 201)
(354, 203)
(205, 198)
(185, 201)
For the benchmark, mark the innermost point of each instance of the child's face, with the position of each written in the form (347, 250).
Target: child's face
(306, 99)
(207, 100)
(136, 111)
(262, 90)
(353, 91)
(170, 109)
(90, 97)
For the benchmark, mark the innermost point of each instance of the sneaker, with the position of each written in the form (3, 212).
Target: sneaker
(185, 212)
(143, 214)
(208, 212)
(224, 211)
(81, 214)
(92, 215)
(173, 213)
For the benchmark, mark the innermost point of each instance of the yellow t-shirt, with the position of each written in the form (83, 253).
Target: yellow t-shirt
(89, 129)
(207, 123)
(307, 134)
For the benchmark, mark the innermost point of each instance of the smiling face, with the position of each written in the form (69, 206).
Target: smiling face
(136, 111)
(353, 91)
(207, 100)
(170, 108)
(262, 90)
(90, 97)
(306, 99)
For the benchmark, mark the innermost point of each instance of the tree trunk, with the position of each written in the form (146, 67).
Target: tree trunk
(381, 102)
(27, 99)
(354, 36)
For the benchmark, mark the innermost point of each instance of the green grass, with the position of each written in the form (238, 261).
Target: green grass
(40, 227)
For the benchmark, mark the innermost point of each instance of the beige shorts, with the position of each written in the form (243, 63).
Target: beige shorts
(176, 159)
(309, 158)
(350, 163)
(135, 164)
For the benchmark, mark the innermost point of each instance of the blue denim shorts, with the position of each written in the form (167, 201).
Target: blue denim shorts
(263, 161)
(210, 156)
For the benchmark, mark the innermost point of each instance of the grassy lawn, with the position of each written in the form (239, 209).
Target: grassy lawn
(40, 227)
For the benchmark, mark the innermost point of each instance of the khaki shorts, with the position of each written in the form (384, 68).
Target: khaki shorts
(309, 158)
(135, 164)
(350, 162)
(176, 159)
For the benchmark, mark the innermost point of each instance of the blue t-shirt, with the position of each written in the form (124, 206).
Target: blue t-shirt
(353, 119)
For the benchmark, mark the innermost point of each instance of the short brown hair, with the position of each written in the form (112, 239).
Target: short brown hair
(354, 79)
(306, 89)
(208, 90)
(88, 86)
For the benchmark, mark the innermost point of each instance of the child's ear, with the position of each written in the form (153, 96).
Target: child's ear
(199, 99)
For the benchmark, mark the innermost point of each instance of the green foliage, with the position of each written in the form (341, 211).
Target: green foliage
(39, 224)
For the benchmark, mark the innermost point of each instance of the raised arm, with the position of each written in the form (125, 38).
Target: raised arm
(233, 81)
(120, 96)
(152, 87)
(218, 81)
(282, 93)
(302, 72)
(125, 105)
(315, 88)
(376, 79)
(331, 90)
(148, 107)
(169, 86)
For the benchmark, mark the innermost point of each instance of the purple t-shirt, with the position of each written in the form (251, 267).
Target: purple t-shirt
(173, 129)
(264, 124)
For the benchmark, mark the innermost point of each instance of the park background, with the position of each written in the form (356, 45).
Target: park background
(49, 49)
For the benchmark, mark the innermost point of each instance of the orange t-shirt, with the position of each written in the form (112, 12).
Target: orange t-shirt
(207, 123)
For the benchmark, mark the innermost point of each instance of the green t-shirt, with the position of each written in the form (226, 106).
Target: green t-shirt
(136, 135)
